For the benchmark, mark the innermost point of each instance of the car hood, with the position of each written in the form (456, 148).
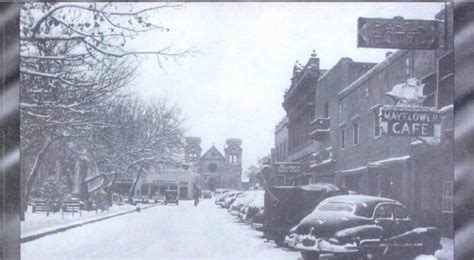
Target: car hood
(326, 223)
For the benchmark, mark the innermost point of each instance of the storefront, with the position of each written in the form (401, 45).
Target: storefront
(155, 185)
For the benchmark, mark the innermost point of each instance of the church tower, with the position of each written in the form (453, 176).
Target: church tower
(233, 151)
(233, 158)
(192, 149)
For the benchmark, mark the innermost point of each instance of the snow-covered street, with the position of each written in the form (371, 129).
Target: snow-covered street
(166, 232)
(162, 232)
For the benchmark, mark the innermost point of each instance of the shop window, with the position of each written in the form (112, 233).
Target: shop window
(343, 137)
(355, 133)
(448, 197)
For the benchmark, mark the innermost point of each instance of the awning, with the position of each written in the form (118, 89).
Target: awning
(389, 161)
(352, 171)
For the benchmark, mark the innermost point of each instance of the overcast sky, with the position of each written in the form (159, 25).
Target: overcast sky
(234, 87)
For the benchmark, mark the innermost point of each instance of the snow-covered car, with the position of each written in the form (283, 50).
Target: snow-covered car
(221, 199)
(361, 227)
(206, 194)
(243, 199)
(219, 193)
(231, 198)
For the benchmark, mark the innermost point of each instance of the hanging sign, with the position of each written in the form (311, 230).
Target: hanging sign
(397, 33)
(410, 121)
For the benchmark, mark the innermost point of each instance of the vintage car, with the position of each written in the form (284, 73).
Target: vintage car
(285, 206)
(361, 227)
(206, 194)
(221, 199)
(254, 213)
(230, 199)
(171, 196)
(242, 200)
(219, 193)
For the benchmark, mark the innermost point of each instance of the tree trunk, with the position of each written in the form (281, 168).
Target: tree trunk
(34, 173)
(134, 184)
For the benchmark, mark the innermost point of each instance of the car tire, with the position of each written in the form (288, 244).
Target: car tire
(428, 249)
(279, 241)
(309, 255)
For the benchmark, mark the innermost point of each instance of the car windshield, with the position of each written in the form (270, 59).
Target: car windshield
(337, 206)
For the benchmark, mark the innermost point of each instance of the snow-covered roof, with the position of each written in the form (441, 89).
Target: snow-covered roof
(390, 160)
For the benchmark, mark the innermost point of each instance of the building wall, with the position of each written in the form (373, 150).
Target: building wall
(360, 105)
(326, 106)
(404, 168)
(281, 140)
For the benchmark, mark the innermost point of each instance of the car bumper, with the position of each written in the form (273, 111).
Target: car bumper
(257, 226)
(312, 243)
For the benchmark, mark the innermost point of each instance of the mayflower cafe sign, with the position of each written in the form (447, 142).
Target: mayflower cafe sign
(410, 121)
(408, 117)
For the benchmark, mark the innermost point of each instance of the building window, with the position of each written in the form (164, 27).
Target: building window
(448, 197)
(343, 137)
(355, 133)
(212, 167)
(326, 110)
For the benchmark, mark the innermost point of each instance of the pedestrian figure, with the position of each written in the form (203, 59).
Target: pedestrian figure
(196, 199)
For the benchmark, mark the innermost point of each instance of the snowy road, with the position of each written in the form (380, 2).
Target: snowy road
(162, 232)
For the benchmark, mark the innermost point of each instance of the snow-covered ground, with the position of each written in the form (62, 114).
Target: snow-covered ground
(38, 221)
(162, 232)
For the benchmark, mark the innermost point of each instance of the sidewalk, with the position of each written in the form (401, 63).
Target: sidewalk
(38, 224)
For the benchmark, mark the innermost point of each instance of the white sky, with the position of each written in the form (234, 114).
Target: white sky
(234, 88)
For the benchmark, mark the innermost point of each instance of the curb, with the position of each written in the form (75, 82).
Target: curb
(28, 238)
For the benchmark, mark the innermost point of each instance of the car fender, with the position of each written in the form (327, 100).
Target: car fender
(359, 233)
(420, 235)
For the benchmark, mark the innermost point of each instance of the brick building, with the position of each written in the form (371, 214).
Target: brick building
(345, 143)
(299, 106)
(324, 126)
(409, 169)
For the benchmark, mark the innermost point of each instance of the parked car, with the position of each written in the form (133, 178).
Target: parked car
(171, 196)
(286, 206)
(219, 192)
(221, 201)
(254, 212)
(231, 198)
(206, 194)
(242, 200)
(220, 196)
(237, 208)
(360, 227)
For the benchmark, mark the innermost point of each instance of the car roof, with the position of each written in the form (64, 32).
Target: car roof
(357, 199)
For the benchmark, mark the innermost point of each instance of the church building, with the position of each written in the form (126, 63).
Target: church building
(215, 170)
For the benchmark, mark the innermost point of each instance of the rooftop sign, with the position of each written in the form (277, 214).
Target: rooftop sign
(397, 33)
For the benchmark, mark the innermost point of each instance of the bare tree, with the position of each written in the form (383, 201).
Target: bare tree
(73, 58)
(142, 135)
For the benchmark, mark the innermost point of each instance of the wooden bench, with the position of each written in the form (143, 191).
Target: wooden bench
(41, 206)
(72, 206)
